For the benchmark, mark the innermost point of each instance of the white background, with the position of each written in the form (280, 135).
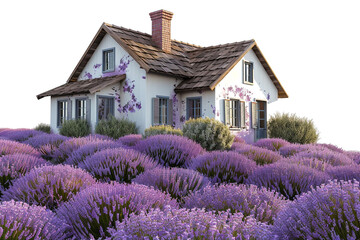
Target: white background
(312, 46)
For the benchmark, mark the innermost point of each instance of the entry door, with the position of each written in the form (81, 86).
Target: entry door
(261, 130)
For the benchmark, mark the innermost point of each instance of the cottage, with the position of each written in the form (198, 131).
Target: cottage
(152, 79)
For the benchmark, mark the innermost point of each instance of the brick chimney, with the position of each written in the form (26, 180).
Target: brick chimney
(161, 28)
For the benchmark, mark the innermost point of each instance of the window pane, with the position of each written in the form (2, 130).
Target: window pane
(262, 123)
(262, 114)
(163, 110)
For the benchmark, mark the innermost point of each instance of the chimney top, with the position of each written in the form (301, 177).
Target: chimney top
(161, 29)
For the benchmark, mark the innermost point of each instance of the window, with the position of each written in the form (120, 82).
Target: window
(234, 110)
(193, 106)
(105, 107)
(234, 113)
(62, 111)
(248, 72)
(81, 106)
(108, 60)
(162, 111)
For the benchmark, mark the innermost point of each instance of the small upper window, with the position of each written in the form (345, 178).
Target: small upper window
(248, 72)
(108, 60)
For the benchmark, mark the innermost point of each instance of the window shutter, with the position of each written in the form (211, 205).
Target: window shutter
(88, 110)
(238, 116)
(69, 110)
(242, 115)
(254, 115)
(155, 111)
(227, 111)
(170, 112)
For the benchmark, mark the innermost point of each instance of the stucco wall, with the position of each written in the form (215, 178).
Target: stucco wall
(232, 86)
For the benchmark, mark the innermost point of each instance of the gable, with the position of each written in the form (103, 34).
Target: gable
(200, 68)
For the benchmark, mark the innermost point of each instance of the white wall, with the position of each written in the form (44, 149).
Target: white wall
(135, 76)
(232, 86)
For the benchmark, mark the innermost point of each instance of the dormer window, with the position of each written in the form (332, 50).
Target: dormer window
(248, 72)
(108, 60)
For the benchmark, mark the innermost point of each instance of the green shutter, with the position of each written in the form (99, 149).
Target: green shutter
(254, 115)
(242, 115)
(227, 112)
(156, 117)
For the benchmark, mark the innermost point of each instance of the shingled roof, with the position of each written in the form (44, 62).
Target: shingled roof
(83, 87)
(200, 67)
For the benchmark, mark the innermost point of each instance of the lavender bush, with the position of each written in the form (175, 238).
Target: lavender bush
(88, 149)
(12, 147)
(18, 220)
(288, 179)
(170, 150)
(354, 155)
(20, 134)
(92, 211)
(130, 140)
(330, 211)
(187, 224)
(260, 203)
(49, 186)
(178, 182)
(223, 167)
(273, 144)
(348, 172)
(13, 166)
(43, 139)
(307, 161)
(292, 149)
(328, 156)
(67, 147)
(260, 155)
(238, 139)
(330, 147)
(118, 164)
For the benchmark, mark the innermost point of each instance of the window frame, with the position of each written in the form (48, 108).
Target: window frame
(167, 109)
(188, 99)
(236, 116)
(66, 112)
(112, 67)
(85, 107)
(245, 76)
(112, 110)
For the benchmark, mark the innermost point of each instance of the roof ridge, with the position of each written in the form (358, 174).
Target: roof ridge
(186, 43)
(127, 29)
(221, 45)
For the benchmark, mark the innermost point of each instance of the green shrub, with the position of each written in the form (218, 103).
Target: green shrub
(75, 128)
(292, 128)
(43, 127)
(162, 129)
(116, 128)
(209, 133)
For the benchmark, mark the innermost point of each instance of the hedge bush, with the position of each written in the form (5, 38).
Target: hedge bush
(75, 128)
(292, 128)
(43, 127)
(162, 129)
(209, 133)
(116, 128)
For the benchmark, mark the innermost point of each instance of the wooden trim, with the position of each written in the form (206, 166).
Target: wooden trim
(213, 85)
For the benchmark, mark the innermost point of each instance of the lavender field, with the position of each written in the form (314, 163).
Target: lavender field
(169, 187)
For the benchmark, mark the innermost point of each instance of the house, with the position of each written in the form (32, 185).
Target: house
(152, 79)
